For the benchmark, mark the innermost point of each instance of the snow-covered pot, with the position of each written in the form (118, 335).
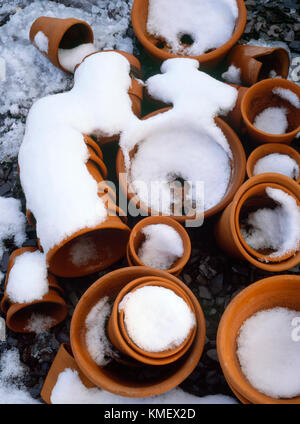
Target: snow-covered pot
(49, 35)
(52, 304)
(120, 338)
(158, 49)
(238, 171)
(137, 238)
(270, 149)
(63, 360)
(259, 98)
(116, 377)
(250, 198)
(257, 63)
(272, 292)
(234, 118)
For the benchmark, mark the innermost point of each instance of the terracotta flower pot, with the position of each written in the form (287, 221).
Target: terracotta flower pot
(235, 118)
(119, 379)
(64, 359)
(247, 199)
(259, 97)
(281, 290)
(256, 62)
(137, 238)
(238, 165)
(152, 45)
(51, 305)
(61, 33)
(268, 149)
(120, 338)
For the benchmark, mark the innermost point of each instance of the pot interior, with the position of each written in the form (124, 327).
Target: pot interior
(75, 36)
(275, 61)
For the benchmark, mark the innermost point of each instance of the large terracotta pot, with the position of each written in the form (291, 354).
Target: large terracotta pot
(152, 45)
(258, 98)
(248, 198)
(117, 378)
(256, 62)
(137, 238)
(61, 33)
(238, 166)
(51, 305)
(268, 149)
(281, 290)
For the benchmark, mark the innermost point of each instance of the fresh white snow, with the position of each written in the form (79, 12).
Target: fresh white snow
(70, 390)
(12, 222)
(69, 58)
(277, 229)
(232, 75)
(272, 120)
(156, 318)
(269, 357)
(208, 26)
(83, 251)
(27, 279)
(288, 95)
(277, 162)
(38, 323)
(162, 246)
(41, 41)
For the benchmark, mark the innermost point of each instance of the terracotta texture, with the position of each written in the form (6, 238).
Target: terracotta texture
(120, 338)
(281, 290)
(237, 176)
(51, 305)
(235, 118)
(257, 62)
(258, 98)
(122, 379)
(61, 33)
(64, 359)
(268, 149)
(248, 198)
(139, 16)
(137, 237)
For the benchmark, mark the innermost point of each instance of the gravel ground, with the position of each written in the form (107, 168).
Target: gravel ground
(212, 276)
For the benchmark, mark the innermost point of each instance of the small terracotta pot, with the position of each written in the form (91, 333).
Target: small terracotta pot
(268, 149)
(227, 230)
(63, 360)
(235, 118)
(61, 33)
(237, 176)
(258, 98)
(120, 338)
(51, 305)
(116, 378)
(256, 62)
(139, 16)
(278, 291)
(137, 238)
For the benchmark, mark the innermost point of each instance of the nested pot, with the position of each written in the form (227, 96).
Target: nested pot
(272, 292)
(158, 49)
(51, 305)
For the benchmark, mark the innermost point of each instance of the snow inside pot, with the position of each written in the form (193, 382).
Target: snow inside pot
(120, 375)
(262, 224)
(152, 321)
(32, 301)
(159, 242)
(64, 41)
(256, 343)
(183, 28)
(274, 157)
(271, 111)
(250, 64)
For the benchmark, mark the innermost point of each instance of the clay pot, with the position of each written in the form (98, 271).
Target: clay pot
(157, 49)
(257, 62)
(64, 359)
(258, 98)
(93, 145)
(281, 290)
(123, 380)
(268, 149)
(248, 198)
(235, 118)
(137, 238)
(121, 340)
(51, 305)
(61, 33)
(237, 176)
